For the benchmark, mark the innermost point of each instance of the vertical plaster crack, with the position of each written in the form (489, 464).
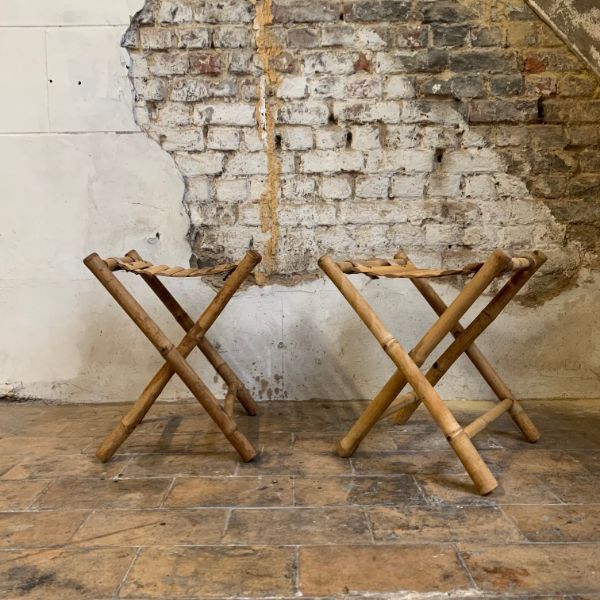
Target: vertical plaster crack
(266, 110)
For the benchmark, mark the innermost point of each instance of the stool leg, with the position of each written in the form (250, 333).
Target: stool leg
(213, 357)
(458, 439)
(175, 356)
(464, 342)
(496, 263)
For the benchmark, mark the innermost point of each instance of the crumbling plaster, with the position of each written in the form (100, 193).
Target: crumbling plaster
(448, 128)
(77, 177)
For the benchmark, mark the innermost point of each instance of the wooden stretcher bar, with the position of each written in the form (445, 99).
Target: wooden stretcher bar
(498, 263)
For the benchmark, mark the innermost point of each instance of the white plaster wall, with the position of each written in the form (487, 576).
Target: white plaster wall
(77, 176)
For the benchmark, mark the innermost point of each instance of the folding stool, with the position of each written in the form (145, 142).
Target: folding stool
(386, 403)
(175, 356)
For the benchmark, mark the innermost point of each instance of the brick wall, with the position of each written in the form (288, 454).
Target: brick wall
(356, 127)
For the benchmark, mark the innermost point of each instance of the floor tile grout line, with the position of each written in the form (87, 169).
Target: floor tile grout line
(170, 487)
(87, 517)
(515, 523)
(38, 496)
(117, 591)
(296, 571)
(369, 525)
(226, 524)
(463, 564)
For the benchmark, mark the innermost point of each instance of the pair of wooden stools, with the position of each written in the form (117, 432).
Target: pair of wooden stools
(388, 402)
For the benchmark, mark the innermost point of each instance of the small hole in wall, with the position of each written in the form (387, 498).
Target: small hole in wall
(439, 155)
(49, 80)
(158, 235)
(79, 83)
(348, 139)
(278, 142)
(540, 109)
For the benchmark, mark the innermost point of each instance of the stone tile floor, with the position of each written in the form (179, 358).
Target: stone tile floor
(176, 515)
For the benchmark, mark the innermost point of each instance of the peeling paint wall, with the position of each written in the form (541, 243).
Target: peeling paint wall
(377, 145)
(448, 128)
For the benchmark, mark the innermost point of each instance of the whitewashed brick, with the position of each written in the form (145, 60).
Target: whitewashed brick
(297, 137)
(327, 87)
(197, 189)
(402, 136)
(194, 38)
(177, 140)
(251, 140)
(174, 115)
(153, 90)
(408, 186)
(365, 137)
(372, 187)
(399, 86)
(328, 161)
(255, 163)
(365, 212)
(443, 184)
(481, 160)
(203, 163)
(330, 138)
(185, 89)
(336, 188)
(174, 12)
(479, 187)
(292, 87)
(381, 161)
(223, 138)
(303, 113)
(249, 214)
(333, 63)
(168, 63)
(298, 188)
(232, 190)
(367, 112)
(225, 114)
(155, 39)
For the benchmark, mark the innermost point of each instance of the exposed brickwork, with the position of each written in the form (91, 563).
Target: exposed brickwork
(445, 127)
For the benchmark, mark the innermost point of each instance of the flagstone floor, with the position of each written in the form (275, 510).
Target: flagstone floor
(175, 514)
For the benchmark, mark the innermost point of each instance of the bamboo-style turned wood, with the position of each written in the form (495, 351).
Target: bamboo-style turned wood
(229, 402)
(174, 356)
(481, 422)
(464, 342)
(482, 477)
(496, 264)
(186, 322)
(522, 268)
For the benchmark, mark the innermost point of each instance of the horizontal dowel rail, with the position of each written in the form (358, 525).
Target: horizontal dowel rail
(214, 358)
(495, 264)
(151, 392)
(381, 267)
(481, 422)
(464, 342)
(460, 442)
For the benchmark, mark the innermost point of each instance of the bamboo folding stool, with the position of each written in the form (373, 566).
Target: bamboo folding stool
(387, 403)
(175, 356)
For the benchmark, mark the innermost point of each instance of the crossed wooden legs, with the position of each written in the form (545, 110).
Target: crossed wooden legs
(175, 355)
(408, 363)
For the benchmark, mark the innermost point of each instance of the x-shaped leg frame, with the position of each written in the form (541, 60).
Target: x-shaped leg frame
(408, 363)
(175, 356)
